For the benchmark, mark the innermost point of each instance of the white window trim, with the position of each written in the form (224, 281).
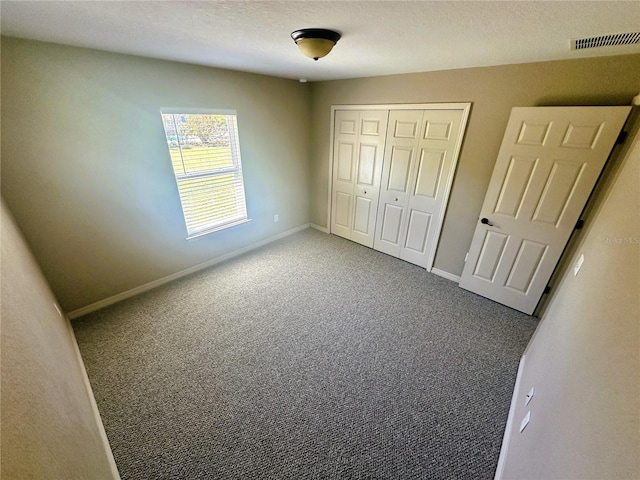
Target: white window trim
(198, 235)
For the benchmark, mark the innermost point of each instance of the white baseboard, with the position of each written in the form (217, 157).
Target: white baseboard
(510, 419)
(94, 406)
(319, 228)
(447, 275)
(174, 276)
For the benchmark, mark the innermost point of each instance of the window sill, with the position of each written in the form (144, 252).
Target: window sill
(195, 236)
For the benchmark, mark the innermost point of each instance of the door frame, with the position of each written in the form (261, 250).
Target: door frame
(466, 109)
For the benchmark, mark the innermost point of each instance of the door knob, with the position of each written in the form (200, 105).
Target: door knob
(486, 221)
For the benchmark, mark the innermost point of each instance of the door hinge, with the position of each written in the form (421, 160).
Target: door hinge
(621, 137)
(547, 289)
(579, 224)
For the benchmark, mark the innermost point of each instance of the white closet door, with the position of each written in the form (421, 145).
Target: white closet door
(420, 157)
(345, 147)
(431, 178)
(400, 152)
(359, 139)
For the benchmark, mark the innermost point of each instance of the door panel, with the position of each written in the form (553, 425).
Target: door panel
(584, 135)
(400, 149)
(367, 165)
(547, 166)
(346, 122)
(438, 129)
(342, 210)
(429, 170)
(362, 215)
(527, 262)
(490, 254)
(391, 223)
(359, 138)
(430, 180)
(406, 128)
(373, 127)
(557, 192)
(516, 182)
(399, 169)
(417, 231)
(345, 147)
(345, 161)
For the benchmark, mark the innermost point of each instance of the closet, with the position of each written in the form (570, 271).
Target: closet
(392, 171)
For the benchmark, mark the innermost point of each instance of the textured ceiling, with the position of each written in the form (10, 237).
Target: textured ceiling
(379, 38)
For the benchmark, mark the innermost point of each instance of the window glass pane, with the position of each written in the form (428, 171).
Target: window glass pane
(205, 154)
(211, 201)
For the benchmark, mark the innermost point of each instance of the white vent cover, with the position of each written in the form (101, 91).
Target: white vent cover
(606, 40)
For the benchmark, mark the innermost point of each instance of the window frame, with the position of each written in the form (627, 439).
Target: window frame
(196, 231)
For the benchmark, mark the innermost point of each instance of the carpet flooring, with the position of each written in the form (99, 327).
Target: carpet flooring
(310, 358)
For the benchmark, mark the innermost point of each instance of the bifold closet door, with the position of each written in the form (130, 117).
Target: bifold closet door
(400, 153)
(359, 138)
(420, 153)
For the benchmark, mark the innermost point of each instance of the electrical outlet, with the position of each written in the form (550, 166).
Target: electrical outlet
(525, 421)
(529, 396)
(578, 265)
(276, 218)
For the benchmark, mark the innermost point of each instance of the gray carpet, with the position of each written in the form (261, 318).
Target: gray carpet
(311, 358)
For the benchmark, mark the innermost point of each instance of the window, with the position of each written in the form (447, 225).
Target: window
(205, 154)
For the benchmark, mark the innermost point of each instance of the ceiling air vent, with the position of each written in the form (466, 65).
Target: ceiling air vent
(606, 40)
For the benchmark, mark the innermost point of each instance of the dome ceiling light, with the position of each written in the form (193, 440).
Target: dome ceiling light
(315, 42)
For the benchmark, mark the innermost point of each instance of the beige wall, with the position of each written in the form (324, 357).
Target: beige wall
(86, 171)
(50, 427)
(584, 359)
(493, 91)
(87, 174)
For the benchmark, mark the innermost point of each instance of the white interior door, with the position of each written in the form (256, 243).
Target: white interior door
(359, 138)
(420, 157)
(547, 166)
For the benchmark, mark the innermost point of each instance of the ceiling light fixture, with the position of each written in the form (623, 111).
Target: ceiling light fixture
(315, 42)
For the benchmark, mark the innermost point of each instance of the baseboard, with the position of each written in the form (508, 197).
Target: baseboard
(319, 228)
(447, 275)
(94, 406)
(188, 271)
(510, 419)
